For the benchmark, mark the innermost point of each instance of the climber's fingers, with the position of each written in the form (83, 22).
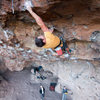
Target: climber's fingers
(28, 5)
(29, 8)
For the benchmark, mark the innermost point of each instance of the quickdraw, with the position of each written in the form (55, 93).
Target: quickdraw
(12, 6)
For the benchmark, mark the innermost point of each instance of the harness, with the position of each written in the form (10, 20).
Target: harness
(66, 93)
(62, 44)
(64, 47)
(58, 44)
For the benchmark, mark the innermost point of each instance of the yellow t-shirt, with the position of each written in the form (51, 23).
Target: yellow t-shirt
(51, 40)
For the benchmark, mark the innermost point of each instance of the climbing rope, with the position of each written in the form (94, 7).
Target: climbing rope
(12, 6)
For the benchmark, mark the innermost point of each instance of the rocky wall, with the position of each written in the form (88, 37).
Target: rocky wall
(80, 77)
(77, 20)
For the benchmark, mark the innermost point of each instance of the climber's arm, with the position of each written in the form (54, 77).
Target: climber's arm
(38, 20)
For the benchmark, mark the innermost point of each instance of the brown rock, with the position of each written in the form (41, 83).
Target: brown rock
(74, 19)
(83, 50)
(3, 68)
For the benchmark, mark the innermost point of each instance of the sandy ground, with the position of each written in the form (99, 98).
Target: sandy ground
(20, 87)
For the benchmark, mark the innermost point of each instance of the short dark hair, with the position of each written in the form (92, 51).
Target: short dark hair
(39, 42)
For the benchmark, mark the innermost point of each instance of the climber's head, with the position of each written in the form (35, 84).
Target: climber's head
(41, 86)
(40, 41)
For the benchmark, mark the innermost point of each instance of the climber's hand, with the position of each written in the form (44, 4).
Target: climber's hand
(29, 9)
(28, 5)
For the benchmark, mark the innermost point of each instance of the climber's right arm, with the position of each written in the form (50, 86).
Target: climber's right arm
(38, 20)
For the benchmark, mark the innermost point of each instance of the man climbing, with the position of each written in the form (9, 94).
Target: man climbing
(48, 40)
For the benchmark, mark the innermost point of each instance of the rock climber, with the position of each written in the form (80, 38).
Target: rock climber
(48, 40)
(42, 92)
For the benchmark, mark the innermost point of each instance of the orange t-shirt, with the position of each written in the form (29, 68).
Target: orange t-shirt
(51, 40)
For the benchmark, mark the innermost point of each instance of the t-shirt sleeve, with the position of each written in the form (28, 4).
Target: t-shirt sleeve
(48, 34)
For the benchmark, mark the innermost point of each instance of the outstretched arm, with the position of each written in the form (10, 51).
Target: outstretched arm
(38, 20)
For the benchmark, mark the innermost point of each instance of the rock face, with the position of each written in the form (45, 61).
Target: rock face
(79, 27)
(77, 20)
(8, 6)
(79, 77)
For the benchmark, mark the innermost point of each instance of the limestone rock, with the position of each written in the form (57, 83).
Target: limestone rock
(3, 68)
(83, 50)
(95, 37)
(78, 76)
(77, 20)
(4, 88)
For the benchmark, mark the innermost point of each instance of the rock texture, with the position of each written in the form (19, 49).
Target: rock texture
(77, 20)
(79, 77)
(23, 89)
